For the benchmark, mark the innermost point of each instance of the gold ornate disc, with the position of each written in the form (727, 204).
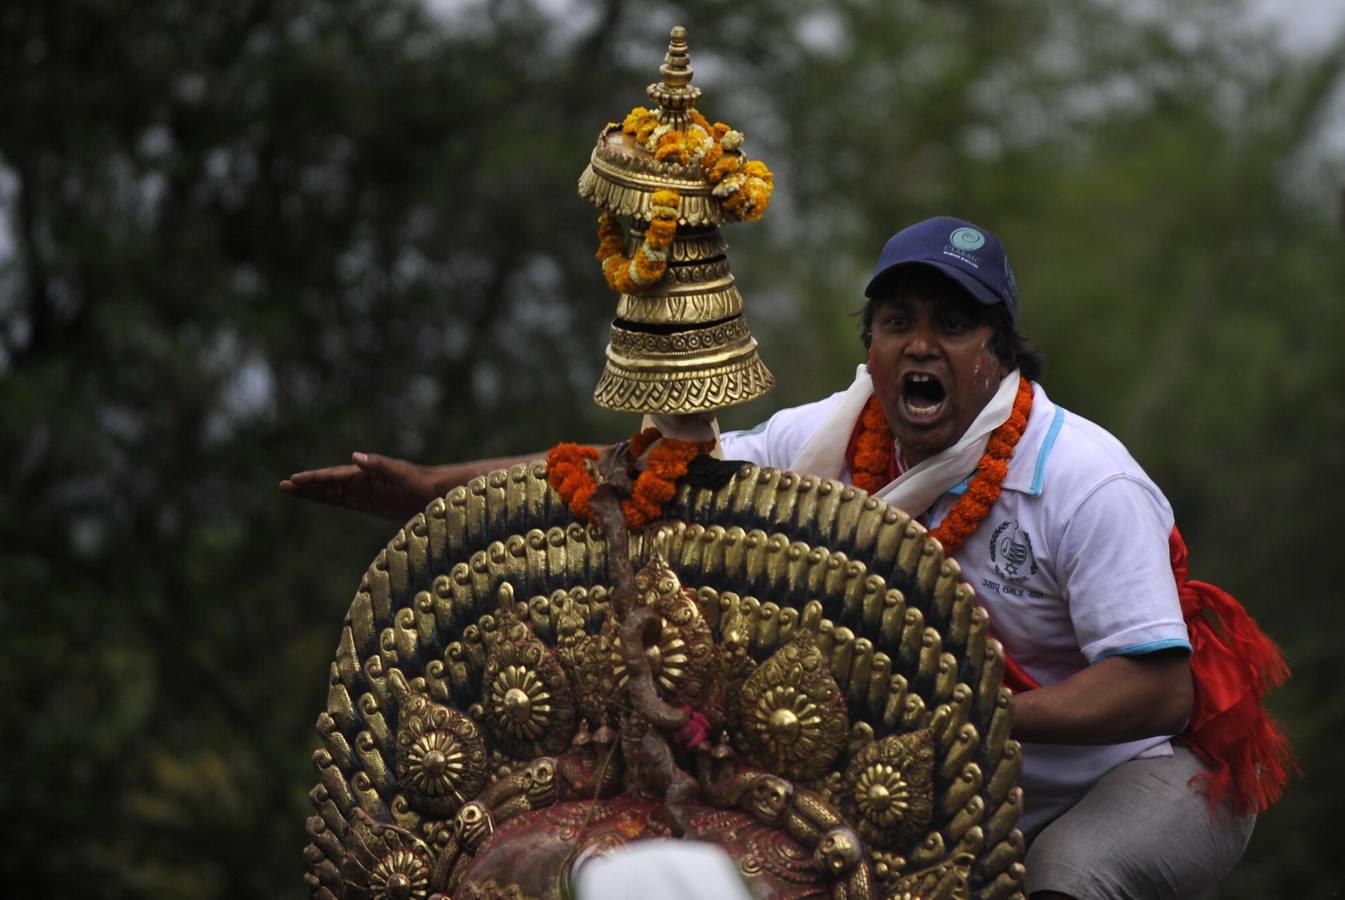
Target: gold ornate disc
(857, 718)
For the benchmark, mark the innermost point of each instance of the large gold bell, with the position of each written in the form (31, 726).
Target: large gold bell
(681, 345)
(686, 347)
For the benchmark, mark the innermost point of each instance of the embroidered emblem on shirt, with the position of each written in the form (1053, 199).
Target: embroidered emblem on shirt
(1011, 552)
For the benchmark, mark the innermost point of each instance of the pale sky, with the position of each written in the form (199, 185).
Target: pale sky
(1304, 25)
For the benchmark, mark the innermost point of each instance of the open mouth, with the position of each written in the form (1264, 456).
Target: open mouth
(922, 395)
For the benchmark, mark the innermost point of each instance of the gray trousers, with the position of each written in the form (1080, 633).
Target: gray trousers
(1140, 833)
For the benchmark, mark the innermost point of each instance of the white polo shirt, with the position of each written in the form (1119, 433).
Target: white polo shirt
(1071, 563)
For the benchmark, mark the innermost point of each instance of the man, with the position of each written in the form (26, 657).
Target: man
(1071, 561)
(1067, 551)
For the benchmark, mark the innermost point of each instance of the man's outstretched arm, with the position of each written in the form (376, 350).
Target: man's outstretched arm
(388, 488)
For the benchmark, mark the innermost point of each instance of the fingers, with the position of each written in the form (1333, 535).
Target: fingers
(371, 483)
(376, 464)
(329, 485)
(318, 476)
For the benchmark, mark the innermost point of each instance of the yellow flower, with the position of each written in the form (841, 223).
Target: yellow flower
(671, 144)
(727, 165)
(660, 233)
(650, 140)
(757, 169)
(665, 198)
(636, 119)
(631, 275)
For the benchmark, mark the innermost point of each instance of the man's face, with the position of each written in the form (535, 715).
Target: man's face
(932, 368)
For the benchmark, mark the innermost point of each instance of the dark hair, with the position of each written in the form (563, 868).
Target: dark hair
(1009, 346)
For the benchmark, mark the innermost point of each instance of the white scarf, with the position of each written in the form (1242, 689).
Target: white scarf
(919, 486)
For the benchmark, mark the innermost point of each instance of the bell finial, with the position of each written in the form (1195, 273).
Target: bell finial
(675, 93)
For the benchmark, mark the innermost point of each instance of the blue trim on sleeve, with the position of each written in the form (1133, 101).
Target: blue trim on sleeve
(1039, 475)
(1146, 647)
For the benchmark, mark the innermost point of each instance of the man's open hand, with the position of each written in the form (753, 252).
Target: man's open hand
(375, 485)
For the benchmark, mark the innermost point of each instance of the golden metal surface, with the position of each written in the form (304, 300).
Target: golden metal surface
(690, 307)
(791, 714)
(621, 178)
(645, 391)
(889, 790)
(781, 598)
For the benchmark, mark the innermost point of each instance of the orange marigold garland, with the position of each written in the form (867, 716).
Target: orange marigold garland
(567, 472)
(631, 275)
(743, 186)
(872, 447)
(569, 475)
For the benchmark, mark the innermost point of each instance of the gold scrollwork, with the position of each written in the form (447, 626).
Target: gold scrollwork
(792, 714)
(694, 340)
(704, 389)
(890, 790)
(441, 756)
(528, 703)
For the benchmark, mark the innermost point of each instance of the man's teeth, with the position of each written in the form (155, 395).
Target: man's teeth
(915, 407)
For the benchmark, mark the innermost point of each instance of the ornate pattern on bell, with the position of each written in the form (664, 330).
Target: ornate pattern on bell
(680, 342)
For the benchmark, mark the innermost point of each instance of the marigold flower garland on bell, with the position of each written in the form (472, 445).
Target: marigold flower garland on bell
(633, 274)
(569, 474)
(872, 448)
(743, 186)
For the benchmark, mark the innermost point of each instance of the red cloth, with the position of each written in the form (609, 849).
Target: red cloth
(1233, 664)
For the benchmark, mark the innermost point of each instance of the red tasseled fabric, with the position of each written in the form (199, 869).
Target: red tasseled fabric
(1233, 664)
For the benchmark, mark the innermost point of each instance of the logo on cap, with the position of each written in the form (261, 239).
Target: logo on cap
(967, 239)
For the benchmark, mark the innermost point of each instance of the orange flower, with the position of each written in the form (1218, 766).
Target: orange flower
(757, 169)
(671, 145)
(870, 449)
(631, 275)
(567, 472)
(661, 231)
(727, 165)
(569, 475)
(665, 198)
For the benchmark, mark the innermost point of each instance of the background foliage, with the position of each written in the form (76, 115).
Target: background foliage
(245, 238)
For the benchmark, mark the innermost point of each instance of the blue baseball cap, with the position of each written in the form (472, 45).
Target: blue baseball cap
(967, 253)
